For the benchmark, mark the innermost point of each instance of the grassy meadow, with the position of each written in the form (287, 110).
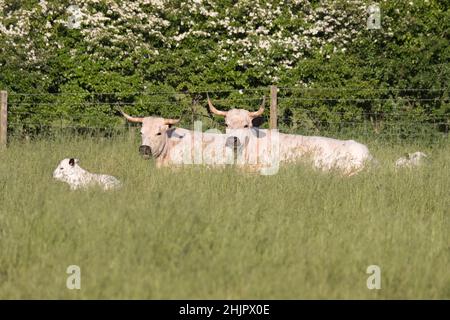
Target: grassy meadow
(196, 233)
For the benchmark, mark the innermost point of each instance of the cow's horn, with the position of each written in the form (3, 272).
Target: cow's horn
(171, 121)
(260, 111)
(214, 110)
(130, 118)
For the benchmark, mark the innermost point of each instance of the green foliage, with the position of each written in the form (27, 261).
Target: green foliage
(142, 55)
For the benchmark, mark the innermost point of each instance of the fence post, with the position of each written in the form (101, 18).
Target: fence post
(3, 118)
(273, 107)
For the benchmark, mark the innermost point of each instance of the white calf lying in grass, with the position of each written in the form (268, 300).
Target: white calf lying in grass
(69, 171)
(411, 160)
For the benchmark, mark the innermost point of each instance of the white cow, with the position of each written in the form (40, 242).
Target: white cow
(348, 156)
(411, 160)
(70, 172)
(177, 146)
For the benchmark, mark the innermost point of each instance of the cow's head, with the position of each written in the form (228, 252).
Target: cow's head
(237, 118)
(153, 134)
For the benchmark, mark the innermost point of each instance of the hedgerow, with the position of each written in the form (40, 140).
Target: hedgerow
(161, 56)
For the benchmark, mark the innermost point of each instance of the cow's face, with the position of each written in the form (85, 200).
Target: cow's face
(153, 134)
(238, 118)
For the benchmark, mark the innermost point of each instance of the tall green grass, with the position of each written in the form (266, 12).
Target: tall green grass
(201, 233)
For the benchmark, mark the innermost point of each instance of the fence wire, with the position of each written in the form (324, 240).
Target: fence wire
(402, 113)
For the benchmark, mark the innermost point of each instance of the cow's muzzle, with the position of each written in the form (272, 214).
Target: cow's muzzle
(145, 151)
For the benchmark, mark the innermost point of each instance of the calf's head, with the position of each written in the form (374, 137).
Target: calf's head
(66, 168)
(153, 134)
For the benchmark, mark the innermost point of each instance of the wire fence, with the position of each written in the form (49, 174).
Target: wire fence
(381, 113)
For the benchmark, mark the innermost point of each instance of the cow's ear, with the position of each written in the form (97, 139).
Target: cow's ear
(72, 161)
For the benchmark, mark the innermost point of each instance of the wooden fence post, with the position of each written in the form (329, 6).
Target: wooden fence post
(273, 107)
(3, 118)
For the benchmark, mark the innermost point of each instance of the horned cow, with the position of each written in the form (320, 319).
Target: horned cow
(348, 156)
(177, 146)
